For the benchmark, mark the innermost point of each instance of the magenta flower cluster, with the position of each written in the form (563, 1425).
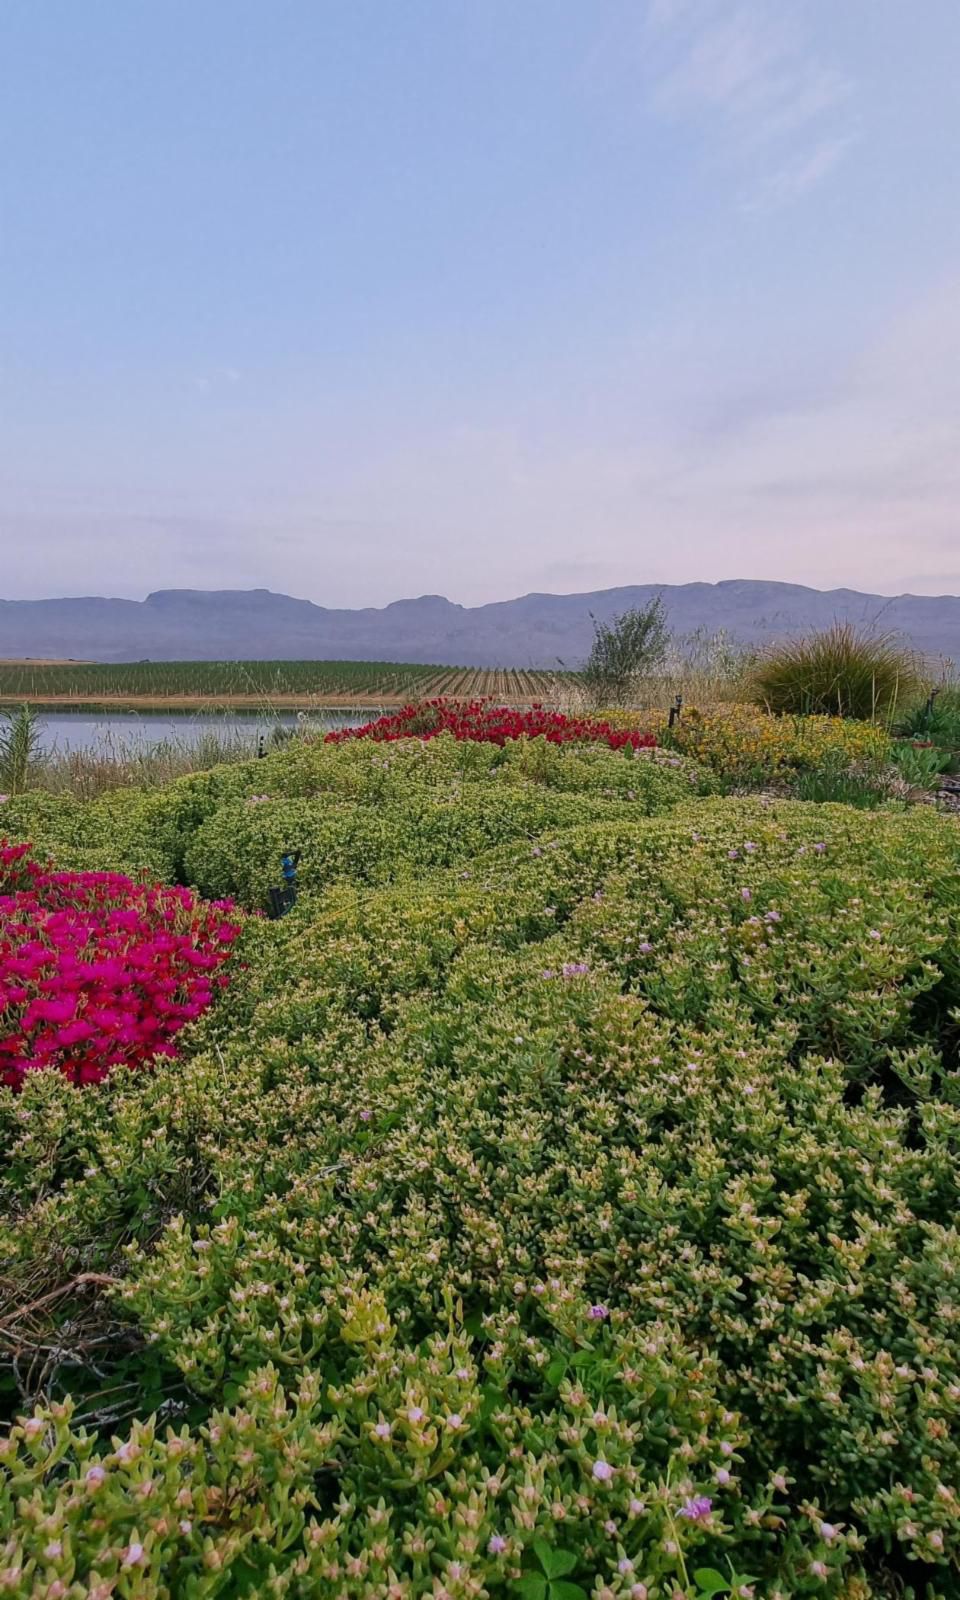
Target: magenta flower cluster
(97, 971)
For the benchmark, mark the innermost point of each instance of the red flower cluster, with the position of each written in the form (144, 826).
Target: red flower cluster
(489, 724)
(97, 971)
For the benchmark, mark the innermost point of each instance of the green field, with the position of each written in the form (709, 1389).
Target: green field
(274, 681)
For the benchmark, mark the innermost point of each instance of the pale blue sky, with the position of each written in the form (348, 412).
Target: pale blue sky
(367, 298)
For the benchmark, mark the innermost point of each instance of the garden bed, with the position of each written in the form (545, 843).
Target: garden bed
(558, 1201)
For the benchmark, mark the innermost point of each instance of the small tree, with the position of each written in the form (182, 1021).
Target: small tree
(625, 650)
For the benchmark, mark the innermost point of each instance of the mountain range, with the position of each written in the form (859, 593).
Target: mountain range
(536, 630)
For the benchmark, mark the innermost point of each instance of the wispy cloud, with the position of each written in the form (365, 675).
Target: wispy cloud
(799, 175)
(747, 72)
(217, 378)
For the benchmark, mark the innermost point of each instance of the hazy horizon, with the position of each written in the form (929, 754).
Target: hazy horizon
(427, 594)
(359, 304)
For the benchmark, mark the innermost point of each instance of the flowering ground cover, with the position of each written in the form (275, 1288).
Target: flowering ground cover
(97, 971)
(567, 1212)
(486, 723)
(749, 747)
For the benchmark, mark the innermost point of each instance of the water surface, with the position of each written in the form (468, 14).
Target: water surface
(63, 731)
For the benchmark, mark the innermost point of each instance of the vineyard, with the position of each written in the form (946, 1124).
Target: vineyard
(280, 683)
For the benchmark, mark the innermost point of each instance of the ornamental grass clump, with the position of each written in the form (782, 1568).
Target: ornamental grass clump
(842, 671)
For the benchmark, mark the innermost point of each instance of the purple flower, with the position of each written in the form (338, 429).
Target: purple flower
(645, 947)
(819, 849)
(598, 1313)
(365, 1116)
(697, 1509)
(548, 972)
(497, 1544)
(575, 969)
(750, 846)
(745, 895)
(536, 851)
(733, 855)
(603, 1472)
(772, 916)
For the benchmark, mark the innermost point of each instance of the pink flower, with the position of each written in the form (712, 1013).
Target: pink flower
(602, 1471)
(92, 956)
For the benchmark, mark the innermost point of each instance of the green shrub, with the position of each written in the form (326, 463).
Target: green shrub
(841, 672)
(918, 765)
(936, 719)
(237, 850)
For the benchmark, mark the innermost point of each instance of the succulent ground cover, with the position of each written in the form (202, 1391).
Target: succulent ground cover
(484, 723)
(559, 1201)
(97, 971)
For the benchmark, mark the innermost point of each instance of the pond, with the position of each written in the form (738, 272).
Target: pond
(64, 731)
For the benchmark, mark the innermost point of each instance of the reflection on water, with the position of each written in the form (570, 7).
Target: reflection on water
(63, 731)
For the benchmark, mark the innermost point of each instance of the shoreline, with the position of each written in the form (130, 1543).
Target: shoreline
(223, 703)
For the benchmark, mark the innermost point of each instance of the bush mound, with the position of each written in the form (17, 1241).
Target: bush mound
(96, 971)
(746, 746)
(356, 811)
(842, 671)
(575, 1209)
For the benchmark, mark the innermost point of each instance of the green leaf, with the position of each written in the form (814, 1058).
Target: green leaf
(532, 1586)
(710, 1581)
(561, 1589)
(543, 1553)
(561, 1562)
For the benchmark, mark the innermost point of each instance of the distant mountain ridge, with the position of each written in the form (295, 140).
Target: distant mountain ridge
(535, 630)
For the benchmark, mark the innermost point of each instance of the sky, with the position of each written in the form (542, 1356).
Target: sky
(364, 299)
